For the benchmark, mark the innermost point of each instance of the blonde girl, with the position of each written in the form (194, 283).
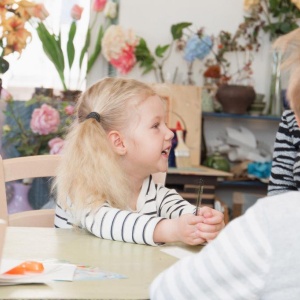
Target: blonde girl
(120, 138)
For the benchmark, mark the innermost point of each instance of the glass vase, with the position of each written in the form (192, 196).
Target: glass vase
(19, 201)
(189, 79)
(274, 106)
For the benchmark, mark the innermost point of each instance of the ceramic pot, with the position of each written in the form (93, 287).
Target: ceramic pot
(218, 162)
(235, 99)
(19, 202)
(70, 95)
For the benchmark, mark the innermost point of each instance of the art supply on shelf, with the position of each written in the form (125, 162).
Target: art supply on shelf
(182, 151)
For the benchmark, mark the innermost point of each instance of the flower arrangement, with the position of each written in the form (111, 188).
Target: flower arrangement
(119, 46)
(217, 52)
(61, 55)
(14, 14)
(36, 127)
(154, 60)
(276, 17)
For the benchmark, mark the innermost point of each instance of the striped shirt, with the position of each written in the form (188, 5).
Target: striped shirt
(256, 256)
(155, 202)
(285, 172)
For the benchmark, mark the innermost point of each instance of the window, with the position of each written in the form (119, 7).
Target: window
(33, 68)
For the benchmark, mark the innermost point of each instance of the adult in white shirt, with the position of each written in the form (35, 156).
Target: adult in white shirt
(256, 256)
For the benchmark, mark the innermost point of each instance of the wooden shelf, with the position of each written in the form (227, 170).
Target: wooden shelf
(237, 116)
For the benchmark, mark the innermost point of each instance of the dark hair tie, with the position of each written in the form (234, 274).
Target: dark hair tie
(93, 115)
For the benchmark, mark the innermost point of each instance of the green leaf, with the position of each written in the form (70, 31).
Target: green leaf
(85, 47)
(4, 65)
(144, 56)
(52, 48)
(177, 29)
(160, 50)
(70, 44)
(97, 50)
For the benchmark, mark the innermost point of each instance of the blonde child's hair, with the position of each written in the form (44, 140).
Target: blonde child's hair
(90, 173)
(289, 45)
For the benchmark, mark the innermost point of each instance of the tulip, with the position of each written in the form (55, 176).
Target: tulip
(99, 5)
(76, 12)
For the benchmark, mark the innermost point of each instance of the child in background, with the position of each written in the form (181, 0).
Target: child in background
(104, 183)
(285, 172)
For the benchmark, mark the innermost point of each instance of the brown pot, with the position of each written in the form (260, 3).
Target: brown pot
(70, 95)
(235, 99)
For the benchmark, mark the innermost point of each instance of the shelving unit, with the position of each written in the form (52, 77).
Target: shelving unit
(264, 127)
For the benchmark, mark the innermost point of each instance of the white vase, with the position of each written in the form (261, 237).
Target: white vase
(19, 201)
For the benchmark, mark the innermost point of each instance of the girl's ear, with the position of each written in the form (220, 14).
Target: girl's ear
(116, 140)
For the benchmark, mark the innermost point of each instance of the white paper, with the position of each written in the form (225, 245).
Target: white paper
(179, 252)
(52, 271)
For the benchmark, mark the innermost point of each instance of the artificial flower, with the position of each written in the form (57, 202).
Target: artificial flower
(276, 17)
(110, 10)
(118, 46)
(76, 12)
(249, 4)
(197, 48)
(64, 55)
(37, 126)
(56, 145)
(99, 5)
(44, 120)
(69, 110)
(5, 95)
(14, 15)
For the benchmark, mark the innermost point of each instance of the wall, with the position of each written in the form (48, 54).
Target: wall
(152, 20)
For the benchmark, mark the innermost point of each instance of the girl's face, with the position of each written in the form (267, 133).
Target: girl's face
(148, 139)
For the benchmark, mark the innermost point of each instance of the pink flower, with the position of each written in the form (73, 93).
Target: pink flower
(76, 12)
(5, 95)
(126, 61)
(99, 5)
(44, 120)
(118, 47)
(69, 110)
(37, 10)
(56, 145)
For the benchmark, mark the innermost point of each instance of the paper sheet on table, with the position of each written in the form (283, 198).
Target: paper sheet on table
(179, 251)
(52, 271)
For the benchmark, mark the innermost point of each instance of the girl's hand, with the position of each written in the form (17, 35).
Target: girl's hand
(212, 224)
(183, 229)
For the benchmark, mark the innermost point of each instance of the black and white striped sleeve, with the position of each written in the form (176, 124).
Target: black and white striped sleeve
(121, 225)
(284, 155)
(171, 205)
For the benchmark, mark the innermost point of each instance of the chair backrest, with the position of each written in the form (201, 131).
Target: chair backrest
(34, 167)
(27, 167)
(2, 236)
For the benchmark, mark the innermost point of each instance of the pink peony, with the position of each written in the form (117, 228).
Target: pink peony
(99, 5)
(44, 120)
(76, 12)
(69, 110)
(126, 61)
(56, 145)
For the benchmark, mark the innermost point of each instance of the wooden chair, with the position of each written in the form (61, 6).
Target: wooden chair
(27, 167)
(33, 167)
(242, 201)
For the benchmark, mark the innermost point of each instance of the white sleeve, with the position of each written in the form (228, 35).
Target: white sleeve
(233, 266)
(120, 225)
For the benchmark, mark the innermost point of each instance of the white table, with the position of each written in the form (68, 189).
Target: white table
(139, 263)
